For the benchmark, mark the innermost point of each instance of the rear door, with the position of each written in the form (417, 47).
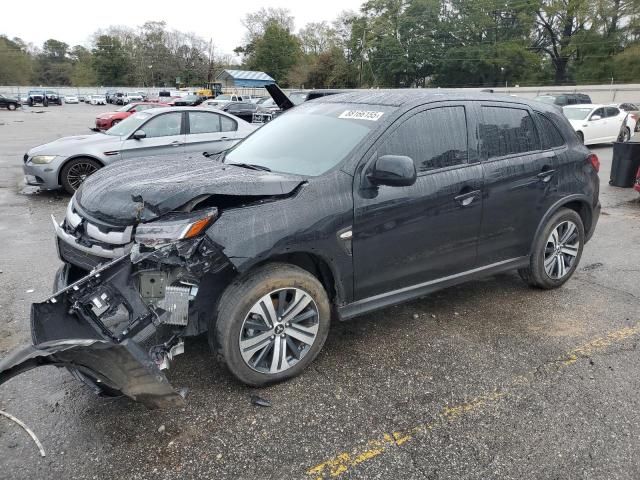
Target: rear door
(519, 181)
(596, 129)
(210, 132)
(405, 236)
(164, 136)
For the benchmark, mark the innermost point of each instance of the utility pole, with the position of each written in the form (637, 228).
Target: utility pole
(364, 39)
(210, 71)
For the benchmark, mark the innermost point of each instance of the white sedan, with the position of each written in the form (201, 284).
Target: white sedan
(599, 123)
(98, 100)
(70, 99)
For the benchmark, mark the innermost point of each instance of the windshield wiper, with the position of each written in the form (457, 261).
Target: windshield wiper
(251, 166)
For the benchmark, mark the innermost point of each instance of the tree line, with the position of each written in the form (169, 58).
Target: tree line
(388, 43)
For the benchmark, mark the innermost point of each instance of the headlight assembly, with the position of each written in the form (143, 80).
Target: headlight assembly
(174, 227)
(42, 159)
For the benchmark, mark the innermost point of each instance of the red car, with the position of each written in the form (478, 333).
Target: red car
(105, 121)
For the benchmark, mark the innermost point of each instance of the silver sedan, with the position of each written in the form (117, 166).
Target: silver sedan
(66, 162)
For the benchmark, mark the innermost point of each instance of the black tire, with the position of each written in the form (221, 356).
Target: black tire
(11, 106)
(66, 174)
(580, 137)
(30, 102)
(625, 136)
(235, 304)
(115, 122)
(535, 274)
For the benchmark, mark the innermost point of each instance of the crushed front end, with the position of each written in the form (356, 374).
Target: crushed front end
(122, 308)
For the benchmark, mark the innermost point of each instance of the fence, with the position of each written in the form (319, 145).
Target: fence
(598, 93)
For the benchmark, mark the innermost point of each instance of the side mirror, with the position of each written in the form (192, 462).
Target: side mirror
(394, 171)
(595, 117)
(139, 135)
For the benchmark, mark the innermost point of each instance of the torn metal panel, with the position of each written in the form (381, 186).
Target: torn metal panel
(121, 366)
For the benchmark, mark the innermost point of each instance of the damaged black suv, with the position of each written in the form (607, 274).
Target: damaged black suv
(343, 205)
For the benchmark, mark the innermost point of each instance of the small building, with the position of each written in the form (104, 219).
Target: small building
(243, 78)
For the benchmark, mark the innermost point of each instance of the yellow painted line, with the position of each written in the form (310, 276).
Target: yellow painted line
(343, 462)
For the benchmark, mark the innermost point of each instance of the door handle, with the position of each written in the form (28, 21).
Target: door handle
(466, 199)
(546, 175)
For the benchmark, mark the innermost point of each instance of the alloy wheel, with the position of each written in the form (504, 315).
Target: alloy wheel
(279, 330)
(561, 250)
(79, 172)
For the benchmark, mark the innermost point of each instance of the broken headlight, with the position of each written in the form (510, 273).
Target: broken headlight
(174, 227)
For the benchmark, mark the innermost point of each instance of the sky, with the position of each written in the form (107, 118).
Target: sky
(74, 21)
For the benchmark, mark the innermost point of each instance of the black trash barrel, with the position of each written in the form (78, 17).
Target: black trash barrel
(626, 160)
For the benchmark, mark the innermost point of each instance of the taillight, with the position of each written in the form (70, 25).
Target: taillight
(636, 187)
(593, 158)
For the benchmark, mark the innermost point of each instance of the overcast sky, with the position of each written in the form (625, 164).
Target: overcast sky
(73, 21)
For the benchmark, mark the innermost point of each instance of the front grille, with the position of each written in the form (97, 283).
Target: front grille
(77, 257)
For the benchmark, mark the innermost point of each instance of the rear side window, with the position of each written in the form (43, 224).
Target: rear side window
(550, 136)
(435, 138)
(227, 125)
(507, 131)
(204, 122)
(612, 112)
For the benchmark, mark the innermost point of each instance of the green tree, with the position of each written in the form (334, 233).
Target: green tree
(275, 52)
(82, 72)
(16, 62)
(110, 61)
(53, 65)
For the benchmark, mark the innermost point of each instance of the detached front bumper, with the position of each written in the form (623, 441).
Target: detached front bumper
(95, 326)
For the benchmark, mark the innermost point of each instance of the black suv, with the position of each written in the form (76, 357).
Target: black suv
(343, 205)
(564, 99)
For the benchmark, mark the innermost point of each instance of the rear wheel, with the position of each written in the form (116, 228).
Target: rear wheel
(11, 106)
(76, 171)
(581, 137)
(625, 135)
(556, 251)
(271, 324)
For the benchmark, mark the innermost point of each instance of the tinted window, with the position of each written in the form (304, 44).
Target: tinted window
(507, 131)
(599, 112)
(435, 138)
(550, 137)
(163, 125)
(228, 125)
(561, 100)
(204, 122)
(612, 111)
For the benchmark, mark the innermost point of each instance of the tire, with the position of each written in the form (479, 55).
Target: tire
(580, 137)
(114, 123)
(235, 324)
(625, 136)
(11, 106)
(30, 102)
(76, 171)
(567, 250)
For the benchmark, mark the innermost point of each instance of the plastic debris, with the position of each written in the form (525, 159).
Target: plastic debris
(259, 401)
(26, 429)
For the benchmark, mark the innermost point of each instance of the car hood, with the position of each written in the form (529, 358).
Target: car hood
(143, 189)
(75, 145)
(110, 115)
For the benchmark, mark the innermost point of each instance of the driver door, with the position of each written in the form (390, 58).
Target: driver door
(164, 136)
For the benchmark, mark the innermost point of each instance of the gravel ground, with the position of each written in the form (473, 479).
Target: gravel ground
(489, 379)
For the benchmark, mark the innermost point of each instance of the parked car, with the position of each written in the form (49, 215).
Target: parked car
(338, 207)
(130, 97)
(563, 99)
(187, 101)
(35, 97)
(8, 102)
(71, 99)
(599, 123)
(24, 98)
(98, 100)
(68, 161)
(280, 101)
(118, 98)
(634, 112)
(243, 110)
(222, 99)
(105, 121)
(109, 95)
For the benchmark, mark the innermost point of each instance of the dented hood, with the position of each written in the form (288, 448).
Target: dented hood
(143, 189)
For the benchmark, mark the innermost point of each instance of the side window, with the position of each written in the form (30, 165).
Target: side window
(435, 138)
(599, 112)
(550, 136)
(612, 112)
(228, 125)
(507, 131)
(562, 100)
(163, 125)
(204, 122)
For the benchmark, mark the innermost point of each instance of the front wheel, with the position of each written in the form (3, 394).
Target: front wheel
(271, 324)
(76, 171)
(556, 251)
(625, 135)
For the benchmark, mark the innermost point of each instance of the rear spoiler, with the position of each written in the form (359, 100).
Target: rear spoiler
(279, 96)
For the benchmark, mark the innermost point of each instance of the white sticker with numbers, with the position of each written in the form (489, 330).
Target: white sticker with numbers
(361, 115)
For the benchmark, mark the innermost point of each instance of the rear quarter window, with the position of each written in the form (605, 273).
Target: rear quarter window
(550, 136)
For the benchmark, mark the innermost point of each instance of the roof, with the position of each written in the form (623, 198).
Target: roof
(247, 75)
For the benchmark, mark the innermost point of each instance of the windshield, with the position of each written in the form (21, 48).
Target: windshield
(307, 141)
(298, 98)
(129, 124)
(223, 97)
(576, 113)
(125, 108)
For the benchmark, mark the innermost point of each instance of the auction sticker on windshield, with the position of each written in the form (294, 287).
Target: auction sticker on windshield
(361, 115)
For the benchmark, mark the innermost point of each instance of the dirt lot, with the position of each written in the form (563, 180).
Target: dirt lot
(490, 379)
